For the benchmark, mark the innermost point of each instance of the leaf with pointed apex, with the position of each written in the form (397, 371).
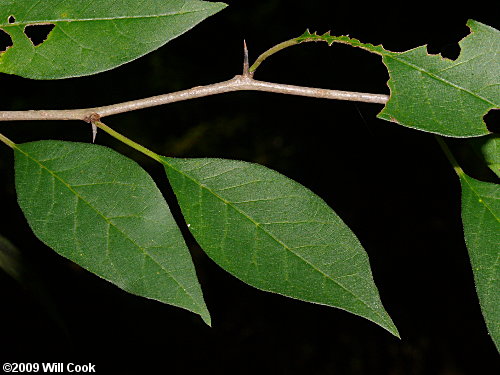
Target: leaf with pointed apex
(439, 95)
(275, 234)
(92, 36)
(104, 212)
(481, 220)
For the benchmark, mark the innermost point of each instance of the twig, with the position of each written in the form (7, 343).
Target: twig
(238, 83)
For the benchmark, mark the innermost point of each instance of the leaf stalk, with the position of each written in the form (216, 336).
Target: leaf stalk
(449, 156)
(272, 51)
(7, 141)
(128, 141)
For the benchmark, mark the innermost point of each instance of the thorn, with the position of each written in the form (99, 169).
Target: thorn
(246, 65)
(92, 119)
(94, 131)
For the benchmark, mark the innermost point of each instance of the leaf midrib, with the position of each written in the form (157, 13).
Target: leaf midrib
(490, 279)
(110, 223)
(490, 210)
(394, 55)
(63, 20)
(259, 225)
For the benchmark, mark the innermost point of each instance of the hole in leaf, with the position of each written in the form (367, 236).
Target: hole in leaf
(11, 19)
(450, 51)
(38, 33)
(5, 41)
(492, 120)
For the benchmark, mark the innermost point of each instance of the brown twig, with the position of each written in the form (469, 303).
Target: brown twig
(238, 83)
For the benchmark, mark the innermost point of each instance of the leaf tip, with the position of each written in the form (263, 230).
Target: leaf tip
(221, 5)
(205, 316)
(394, 331)
(386, 323)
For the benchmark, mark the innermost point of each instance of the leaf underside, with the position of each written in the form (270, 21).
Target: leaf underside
(435, 94)
(92, 36)
(481, 220)
(489, 149)
(275, 234)
(444, 96)
(104, 212)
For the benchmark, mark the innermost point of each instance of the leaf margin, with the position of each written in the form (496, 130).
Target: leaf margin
(387, 324)
(18, 149)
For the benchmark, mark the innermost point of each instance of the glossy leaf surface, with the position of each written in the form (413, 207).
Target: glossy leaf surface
(481, 220)
(104, 212)
(275, 234)
(92, 36)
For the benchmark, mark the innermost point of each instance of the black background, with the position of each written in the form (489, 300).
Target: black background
(390, 184)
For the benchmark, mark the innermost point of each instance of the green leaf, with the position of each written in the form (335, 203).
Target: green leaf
(435, 94)
(481, 220)
(104, 212)
(489, 148)
(92, 36)
(275, 234)
(444, 96)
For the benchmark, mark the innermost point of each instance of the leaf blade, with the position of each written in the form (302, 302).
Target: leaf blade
(489, 150)
(252, 220)
(102, 211)
(481, 221)
(447, 97)
(432, 94)
(90, 39)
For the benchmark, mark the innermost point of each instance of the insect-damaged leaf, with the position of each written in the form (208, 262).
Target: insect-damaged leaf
(439, 95)
(104, 212)
(445, 96)
(91, 36)
(275, 234)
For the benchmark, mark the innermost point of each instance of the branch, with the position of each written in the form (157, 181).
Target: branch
(238, 83)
